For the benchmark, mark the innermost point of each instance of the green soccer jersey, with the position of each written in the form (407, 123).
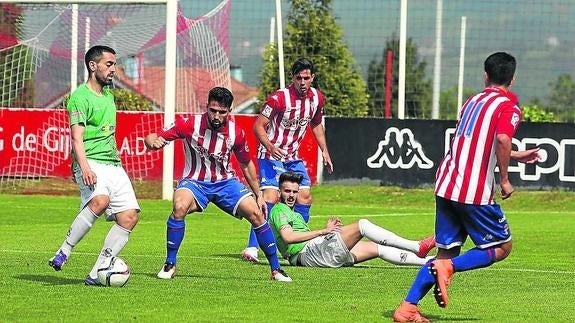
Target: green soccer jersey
(98, 115)
(282, 215)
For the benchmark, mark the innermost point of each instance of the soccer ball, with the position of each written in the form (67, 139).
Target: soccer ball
(114, 272)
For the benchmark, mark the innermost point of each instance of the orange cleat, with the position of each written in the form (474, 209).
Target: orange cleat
(425, 246)
(407, 312)
(442, 271)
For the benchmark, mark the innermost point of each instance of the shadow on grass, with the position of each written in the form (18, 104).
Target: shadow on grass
(50, 280)
(438, 318)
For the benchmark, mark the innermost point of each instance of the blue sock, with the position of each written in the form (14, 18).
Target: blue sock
(421, 285)
(268, 244)
(253, 240)
(302, 209)
(174, 236)
(473, 259)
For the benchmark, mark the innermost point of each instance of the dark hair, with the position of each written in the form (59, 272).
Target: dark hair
(95, 53)
(500, 68)
(302, 64)
(221, 95)
(290, 177)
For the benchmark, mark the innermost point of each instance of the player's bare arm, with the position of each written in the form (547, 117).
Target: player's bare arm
(503, 153)
(319, 134)
(260, 127)
(249, 171)
(290, 236)
(88, 176)
(526, 156)
(155, 142)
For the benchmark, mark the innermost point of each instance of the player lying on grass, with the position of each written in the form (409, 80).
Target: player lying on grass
(209, 140)
(337, 245)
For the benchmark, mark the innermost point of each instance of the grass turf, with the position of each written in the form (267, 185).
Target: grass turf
(534, 284)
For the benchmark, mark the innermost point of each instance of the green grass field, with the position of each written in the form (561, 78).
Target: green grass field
(535, 284)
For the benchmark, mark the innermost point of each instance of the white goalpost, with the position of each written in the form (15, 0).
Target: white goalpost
(158, 47)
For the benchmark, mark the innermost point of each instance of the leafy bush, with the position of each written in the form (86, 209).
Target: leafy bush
(534, 113)
(131, 101)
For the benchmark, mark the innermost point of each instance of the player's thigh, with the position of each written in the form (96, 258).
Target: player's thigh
(190, 196)
(486, 225)
(122, 196)
(269, 171)
(234, 198)
(450, 231)
(364, 250)
(96, 196)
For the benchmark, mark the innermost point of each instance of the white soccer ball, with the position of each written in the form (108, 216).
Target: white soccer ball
(114, 272)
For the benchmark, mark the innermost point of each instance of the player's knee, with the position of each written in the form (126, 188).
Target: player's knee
(255, 217)
(181, 208)
(503, 251)
(99, 203)
(304, 197)
(127, 219)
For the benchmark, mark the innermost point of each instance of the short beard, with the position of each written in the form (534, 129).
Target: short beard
(103, 81)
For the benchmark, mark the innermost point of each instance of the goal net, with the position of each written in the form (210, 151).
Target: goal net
(42, 48)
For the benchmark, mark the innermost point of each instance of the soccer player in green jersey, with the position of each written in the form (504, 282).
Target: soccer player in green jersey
(337, 245)
(97, 169)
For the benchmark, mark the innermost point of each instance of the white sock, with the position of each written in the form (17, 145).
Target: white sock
(114, 243)
(399, 257)
(386, 238)
(79, 228)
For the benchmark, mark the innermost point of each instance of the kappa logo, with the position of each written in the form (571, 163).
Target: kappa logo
(399, 149)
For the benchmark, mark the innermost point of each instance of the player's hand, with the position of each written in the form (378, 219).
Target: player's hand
(527, 156)
(262, 205)
(159, 142)
(327, 162)
(89, 177)
(506, 190)
(277, 153)
(333, 225)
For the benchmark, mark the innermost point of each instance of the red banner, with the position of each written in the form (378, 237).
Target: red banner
(36, 143)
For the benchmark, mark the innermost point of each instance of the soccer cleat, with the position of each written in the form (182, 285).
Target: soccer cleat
(58, 260)
(168, 271)
(250, 254)
(425, 246)
(407, 312)
(442, 270)
(89, 281)
(280, 275)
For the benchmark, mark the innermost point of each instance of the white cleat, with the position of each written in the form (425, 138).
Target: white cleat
(168, 271)
(250, 254)
(281, 276)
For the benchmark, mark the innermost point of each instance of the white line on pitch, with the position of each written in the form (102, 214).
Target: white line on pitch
(528, 270)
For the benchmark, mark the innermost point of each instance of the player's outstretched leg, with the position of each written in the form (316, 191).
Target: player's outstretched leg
(79, 228)
(250, 253)
(175, 229)
(268, 245)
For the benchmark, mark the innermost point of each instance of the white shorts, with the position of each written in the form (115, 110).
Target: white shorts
(111, 181)
(326, 251)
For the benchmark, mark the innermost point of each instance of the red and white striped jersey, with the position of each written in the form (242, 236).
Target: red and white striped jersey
(208, 151)
(289, 118)
(467, 172)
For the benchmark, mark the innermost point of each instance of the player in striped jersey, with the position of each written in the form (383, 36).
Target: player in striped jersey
(280, 128)
(465, 187)
(210, 139)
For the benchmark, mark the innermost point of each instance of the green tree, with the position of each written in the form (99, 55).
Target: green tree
(417, 87)
(562, 98)
(337, 74)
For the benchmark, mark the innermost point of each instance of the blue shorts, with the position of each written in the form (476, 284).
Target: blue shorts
(486, 225)
(270, 171)
(226, 194)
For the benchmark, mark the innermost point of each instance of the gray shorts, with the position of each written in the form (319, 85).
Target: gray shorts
(326, 251)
